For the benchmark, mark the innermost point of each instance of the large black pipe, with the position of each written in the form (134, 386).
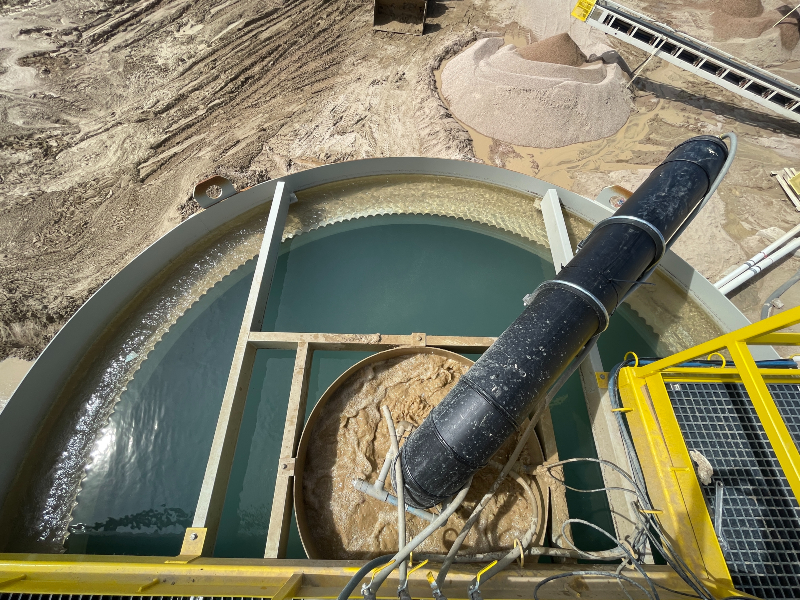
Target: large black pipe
(506, 384)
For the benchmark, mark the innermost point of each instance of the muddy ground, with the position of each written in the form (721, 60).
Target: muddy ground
(111, 111)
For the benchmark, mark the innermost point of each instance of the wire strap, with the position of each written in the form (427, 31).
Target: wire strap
(602, 313)
(651, 230)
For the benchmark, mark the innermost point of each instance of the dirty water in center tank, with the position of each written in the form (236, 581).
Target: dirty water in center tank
(143, 412)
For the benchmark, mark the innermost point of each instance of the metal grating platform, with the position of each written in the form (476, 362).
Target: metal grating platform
(761, 517)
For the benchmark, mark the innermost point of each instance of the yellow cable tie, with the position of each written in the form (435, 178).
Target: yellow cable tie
(377, 570)
(521, 553)
(651, 512)
(621, 410)
(419, 566)
(724, 362)
(634, 356)
(410, 559)
(430, 577)
(482, 571)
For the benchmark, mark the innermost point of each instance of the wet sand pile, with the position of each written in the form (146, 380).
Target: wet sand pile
(746, 19)
(350, 440)
(558, 50)
(507, 95)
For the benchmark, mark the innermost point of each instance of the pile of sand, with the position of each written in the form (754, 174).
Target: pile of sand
(746, 20)
(739, 8)
(350, 440)
(540, 102)
(559, 49)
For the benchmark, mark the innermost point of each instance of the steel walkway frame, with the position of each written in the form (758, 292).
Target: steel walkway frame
(742, 78)
(669, 473)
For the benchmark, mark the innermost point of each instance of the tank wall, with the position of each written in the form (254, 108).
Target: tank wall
(29, 405)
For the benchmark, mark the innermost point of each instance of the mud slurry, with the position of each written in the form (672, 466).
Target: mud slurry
(350, 440)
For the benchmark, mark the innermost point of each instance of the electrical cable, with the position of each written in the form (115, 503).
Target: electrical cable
(765, 309)
(663, 587)
(619, 544)
(440, 578)
(361, 573)
(647, 524)
(404, 552)
(518, 551)
(584, 573)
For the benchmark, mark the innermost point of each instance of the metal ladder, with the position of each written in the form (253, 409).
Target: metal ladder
(742, 78)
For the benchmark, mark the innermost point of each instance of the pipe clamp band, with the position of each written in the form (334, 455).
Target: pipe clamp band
(599, 308)
(652, 231)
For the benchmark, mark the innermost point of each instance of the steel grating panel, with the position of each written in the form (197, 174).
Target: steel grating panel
(760, 515)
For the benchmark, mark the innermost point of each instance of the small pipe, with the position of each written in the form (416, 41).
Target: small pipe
(402, 428)
(767, 306)
(401, 513)
(786, 15)
(423, 535)
(380, 482)
(763, 264)
(361, 573)
(758, 257)
(389, 498)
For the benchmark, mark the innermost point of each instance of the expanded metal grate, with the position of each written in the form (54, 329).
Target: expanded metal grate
(760, 515)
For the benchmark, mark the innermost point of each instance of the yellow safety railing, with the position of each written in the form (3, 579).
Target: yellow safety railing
(663, 455)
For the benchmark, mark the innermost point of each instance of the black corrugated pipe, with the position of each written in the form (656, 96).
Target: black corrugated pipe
(506, 384)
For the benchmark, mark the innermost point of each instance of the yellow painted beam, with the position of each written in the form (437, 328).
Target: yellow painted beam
(278, 579)
(289, 589)
(756, 330)
(777, 339)
(769, 415)
(689, 496)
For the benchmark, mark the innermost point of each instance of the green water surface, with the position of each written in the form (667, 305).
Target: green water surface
(392, 275)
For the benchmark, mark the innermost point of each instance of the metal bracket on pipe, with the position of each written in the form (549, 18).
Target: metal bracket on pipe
(599, 308)
(650, 229)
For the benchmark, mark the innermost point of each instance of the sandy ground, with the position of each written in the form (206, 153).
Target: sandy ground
(12, 370)
(110, 112)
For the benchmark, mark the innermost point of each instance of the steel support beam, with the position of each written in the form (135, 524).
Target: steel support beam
(203, 533)
(607, 439)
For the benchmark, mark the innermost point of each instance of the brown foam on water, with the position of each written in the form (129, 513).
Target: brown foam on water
(350, 439)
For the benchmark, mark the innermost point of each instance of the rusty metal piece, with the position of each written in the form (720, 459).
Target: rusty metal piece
(400, 16)
(201, 191)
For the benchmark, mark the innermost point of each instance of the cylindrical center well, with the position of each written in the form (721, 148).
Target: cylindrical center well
(346, 438)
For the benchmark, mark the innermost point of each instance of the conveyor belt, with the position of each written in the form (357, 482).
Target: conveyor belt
(746, 80)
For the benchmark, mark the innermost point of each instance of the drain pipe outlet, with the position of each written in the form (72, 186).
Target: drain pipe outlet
(491, 401)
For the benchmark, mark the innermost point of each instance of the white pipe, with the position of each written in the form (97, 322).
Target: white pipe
(401, 504)
(389, 498)
(402, 428)
(758, 257)
(763, 264)
(423, 535)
